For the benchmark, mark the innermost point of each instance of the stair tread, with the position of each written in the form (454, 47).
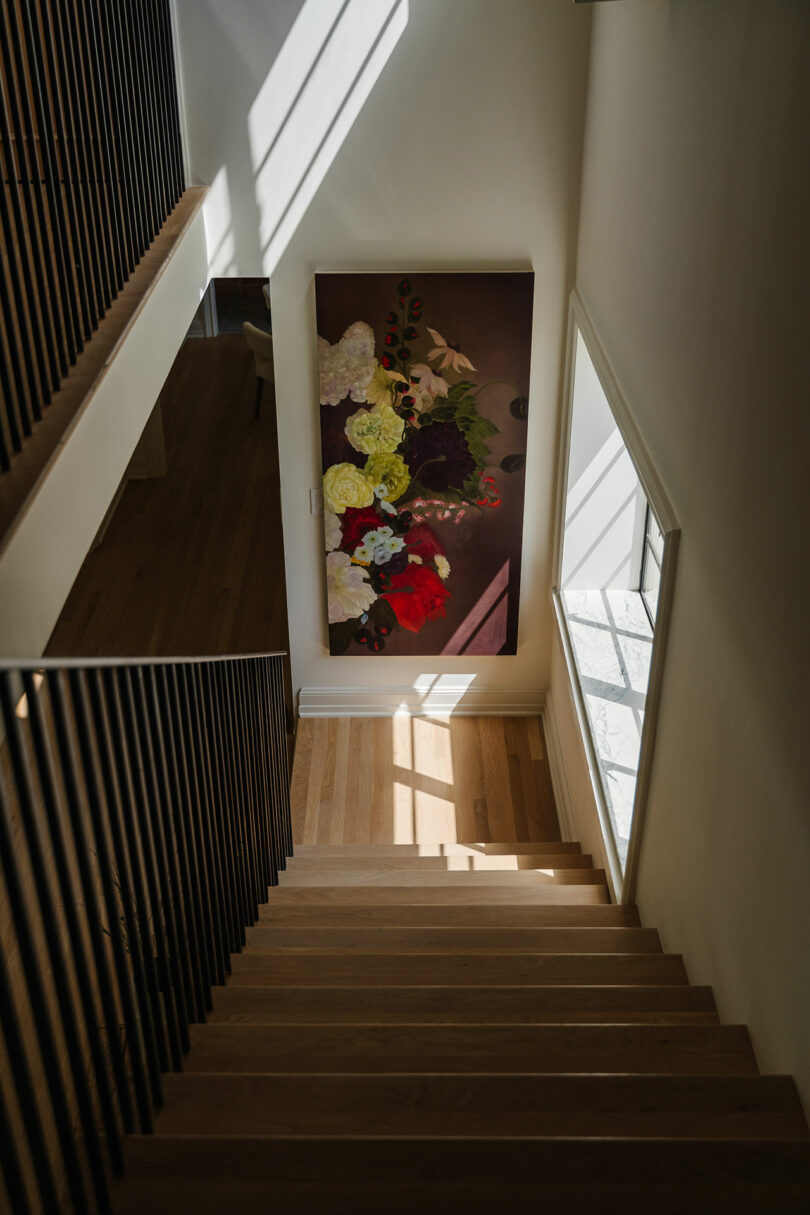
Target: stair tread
(682, 1049)
(524, 1004)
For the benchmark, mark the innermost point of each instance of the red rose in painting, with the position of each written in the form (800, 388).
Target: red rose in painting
(423, 542)
(354, 524)
(417, 595)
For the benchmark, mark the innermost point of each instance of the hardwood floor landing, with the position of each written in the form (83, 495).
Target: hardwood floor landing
(420, 780)
(192, 563)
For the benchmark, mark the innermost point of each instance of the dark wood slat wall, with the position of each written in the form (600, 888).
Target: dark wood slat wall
(92, 167)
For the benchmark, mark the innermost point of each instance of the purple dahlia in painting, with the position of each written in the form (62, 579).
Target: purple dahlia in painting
(439, 458)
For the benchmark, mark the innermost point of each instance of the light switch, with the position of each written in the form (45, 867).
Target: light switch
(316, 501)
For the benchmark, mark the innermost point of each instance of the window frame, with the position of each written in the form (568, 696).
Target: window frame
(622, 881)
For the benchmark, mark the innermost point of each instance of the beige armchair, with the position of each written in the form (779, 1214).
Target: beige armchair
(261, 344)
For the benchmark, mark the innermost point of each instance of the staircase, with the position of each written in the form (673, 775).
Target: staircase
(452, 1027)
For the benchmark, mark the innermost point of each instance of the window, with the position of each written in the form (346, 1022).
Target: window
(615, 562)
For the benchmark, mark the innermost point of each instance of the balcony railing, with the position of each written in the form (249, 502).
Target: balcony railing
(92, 167)
(144, 811)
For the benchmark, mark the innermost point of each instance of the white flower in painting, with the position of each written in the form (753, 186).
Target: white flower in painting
(442, 567)
(377, 536)
(346, 368)
(333, 533)
(348, 591)
(448, 354)
(429, 381)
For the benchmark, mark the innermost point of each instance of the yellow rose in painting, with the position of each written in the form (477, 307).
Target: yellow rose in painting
(375, 430)
(390, 471)
(345, 485)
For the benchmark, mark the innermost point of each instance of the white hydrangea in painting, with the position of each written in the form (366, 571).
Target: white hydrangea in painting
(346, 368)
(332, 530)
(349, 593)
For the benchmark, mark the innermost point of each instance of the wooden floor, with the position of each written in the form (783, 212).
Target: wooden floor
(192, 563)
(405, 780)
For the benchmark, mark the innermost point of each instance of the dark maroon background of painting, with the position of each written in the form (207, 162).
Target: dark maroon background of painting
(489, 316)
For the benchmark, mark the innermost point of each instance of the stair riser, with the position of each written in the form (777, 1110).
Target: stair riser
(498, 1105)
(532, 848)
(299, 877)
(668, 1004)
(463, 915)
(679, 1050)
(456, 940)
(506, 895)
(453, 863)
(447, 970)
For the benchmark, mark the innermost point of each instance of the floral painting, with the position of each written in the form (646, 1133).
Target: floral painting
(424, 388)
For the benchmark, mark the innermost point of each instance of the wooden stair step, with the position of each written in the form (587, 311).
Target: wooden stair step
(680, 1049)
(532, 848)
(497, 1105)
(458, 894)
(461, 915)
(365, 875)
(387, 939)
(349, 866)
(311, 1175)
(312, 969)
(669, 1004)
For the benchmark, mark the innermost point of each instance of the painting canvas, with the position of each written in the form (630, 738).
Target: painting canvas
(424, 389)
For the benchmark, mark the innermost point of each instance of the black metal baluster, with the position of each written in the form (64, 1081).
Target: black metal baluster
(239, 772)
(38, 215)
(81, 171)
(81, 962)
(36, 294)
(59, 234)
(135, 56)
(69, 775)
(270, 871)
(83, 104)
(246, 768)
(277, 666)
(190, 739)
(220, 797)
(134, 121)
(155, 116)
(161, 964)
(174, 103)
(60, 110)
(29, 956)
(234, 804)
(166, 858)
(19, 1065)
(177, 821)
(119, 111)
(124, 864)
(274, 815)
(9, 1156)
(101, 107)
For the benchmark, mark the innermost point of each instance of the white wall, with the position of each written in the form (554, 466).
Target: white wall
(693, 264)
(43, 553)
(465, 156)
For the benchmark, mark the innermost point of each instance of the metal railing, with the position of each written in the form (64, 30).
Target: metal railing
(92, 167)
(144, 811)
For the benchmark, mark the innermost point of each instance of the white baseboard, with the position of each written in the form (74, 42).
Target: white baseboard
(559, 784)
(446, 700)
